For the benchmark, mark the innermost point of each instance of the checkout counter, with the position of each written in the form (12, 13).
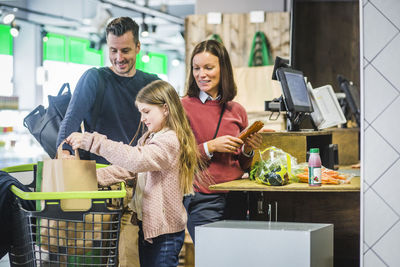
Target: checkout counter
(297, 202)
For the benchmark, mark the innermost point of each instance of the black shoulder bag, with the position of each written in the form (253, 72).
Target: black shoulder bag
(44, 123)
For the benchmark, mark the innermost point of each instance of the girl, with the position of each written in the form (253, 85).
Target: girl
(165, 159)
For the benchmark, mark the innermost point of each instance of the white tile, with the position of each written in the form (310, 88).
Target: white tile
(378, 156)
(388, 187)
(366, 247)
(387, 124)
(378, 31)
(365, 63)
(378, 218)
(366, 124)
(366, 186)
(389, 246)
(390, 8)
(378, 93)
(388, 62)
(371, 260)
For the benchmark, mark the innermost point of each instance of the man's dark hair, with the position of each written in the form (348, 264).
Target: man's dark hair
(121, 25)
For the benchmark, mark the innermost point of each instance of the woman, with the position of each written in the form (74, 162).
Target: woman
(216, 122)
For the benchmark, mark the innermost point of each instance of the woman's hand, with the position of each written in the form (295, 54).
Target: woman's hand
(252, 142)
(226, 143)
(75, 140)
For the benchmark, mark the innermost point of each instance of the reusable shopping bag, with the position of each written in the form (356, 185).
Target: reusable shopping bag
(66, 174)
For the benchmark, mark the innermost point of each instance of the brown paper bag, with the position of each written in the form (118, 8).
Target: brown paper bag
(61, 175)
(254, 86)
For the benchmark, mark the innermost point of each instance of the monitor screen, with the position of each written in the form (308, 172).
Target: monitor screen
(294, 90)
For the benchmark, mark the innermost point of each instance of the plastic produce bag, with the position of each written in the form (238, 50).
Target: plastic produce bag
(328, 176)
(274, 167)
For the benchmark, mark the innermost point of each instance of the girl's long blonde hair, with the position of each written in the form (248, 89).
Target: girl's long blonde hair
(160, 93)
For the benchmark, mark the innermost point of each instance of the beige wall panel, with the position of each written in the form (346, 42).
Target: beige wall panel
(237, 33)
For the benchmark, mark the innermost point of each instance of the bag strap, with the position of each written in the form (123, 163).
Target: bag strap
(62, 89)
(98, 103)
(59, 152)
(219, 121)
(39, 109)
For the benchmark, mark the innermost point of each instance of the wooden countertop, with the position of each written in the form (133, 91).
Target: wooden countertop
(247, 185)
(297, 133)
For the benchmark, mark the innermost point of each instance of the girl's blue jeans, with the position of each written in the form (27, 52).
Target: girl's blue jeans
(164, 250)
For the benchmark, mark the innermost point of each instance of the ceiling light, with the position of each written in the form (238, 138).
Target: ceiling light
(145, 58)
(145, 30)
(43, 34)
(175, 62)
(14, 31)
(144, 34)
(145, 27)
(8, 18)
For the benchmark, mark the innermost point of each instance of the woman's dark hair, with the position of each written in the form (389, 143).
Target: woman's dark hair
(121, 25)
(227, 87)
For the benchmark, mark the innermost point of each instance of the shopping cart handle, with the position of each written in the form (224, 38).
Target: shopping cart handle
(69, 195)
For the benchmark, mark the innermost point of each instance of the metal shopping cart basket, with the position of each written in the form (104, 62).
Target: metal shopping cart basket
(53, 237)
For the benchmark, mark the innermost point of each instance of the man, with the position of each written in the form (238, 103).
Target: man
(118, 117)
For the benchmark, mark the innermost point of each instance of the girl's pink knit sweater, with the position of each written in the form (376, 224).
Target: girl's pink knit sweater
(162, 203)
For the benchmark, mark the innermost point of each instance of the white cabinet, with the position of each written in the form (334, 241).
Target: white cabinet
(257, 243)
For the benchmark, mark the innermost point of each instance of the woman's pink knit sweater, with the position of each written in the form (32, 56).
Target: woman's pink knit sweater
(162, 203)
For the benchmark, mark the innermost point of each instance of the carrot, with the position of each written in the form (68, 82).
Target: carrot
(302, 175)
(326, 180)
(303, 180)
(341, 177)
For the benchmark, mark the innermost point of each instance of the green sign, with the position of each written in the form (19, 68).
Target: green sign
(6, 40)
(71, 49)
(158, 63)
(54, 48)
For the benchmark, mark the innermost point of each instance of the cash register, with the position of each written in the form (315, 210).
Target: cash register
(297, 102)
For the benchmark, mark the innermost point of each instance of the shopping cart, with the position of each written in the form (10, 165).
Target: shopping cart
(50, 236)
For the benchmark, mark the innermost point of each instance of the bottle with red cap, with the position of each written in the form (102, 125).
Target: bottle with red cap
(314, 168)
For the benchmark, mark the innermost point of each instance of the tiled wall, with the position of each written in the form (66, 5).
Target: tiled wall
(381, 135)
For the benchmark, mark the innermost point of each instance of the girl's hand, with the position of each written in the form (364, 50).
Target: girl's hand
(252, 142)
(75, 140)
(226, 143)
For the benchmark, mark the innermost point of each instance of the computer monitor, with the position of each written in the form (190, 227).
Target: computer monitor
(327, 112)
(279, 63)
(352, 99)
(294, 91)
